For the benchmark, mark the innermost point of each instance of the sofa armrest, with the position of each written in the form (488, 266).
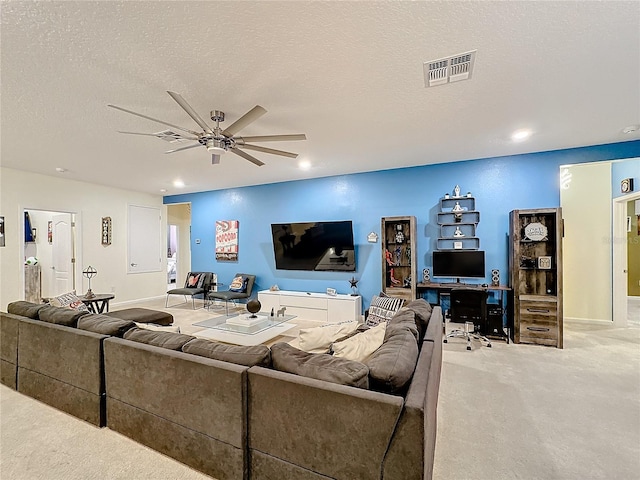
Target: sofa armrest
(302, 421)
(435, 326)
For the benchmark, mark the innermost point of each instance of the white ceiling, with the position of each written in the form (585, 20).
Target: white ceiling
(347, 74)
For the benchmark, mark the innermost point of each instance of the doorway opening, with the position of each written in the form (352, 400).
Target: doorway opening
(172, 255)
(49, 253)
(178, 243)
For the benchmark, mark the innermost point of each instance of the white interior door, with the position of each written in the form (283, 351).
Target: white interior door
(145, 240)
(62, 254)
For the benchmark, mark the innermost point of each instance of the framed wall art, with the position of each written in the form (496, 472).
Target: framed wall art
(2, 231)
(106, 231)
(227, 240)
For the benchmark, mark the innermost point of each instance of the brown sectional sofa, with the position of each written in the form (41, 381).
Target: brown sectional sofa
(228, 420)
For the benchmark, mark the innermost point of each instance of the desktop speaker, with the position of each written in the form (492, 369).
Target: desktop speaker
(495, 277)
(426, 275)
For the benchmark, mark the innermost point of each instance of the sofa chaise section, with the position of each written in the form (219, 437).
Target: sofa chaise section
(62, 366)
(190, 408)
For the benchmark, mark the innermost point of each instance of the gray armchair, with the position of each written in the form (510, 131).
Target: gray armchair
(197, 283)
(232, 295)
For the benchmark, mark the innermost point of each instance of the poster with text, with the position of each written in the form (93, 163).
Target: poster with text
(227, 240)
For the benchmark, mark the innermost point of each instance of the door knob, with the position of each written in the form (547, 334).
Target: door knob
(134, 264)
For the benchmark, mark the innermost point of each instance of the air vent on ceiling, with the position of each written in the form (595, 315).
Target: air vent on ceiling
(169, 136)
(449, 69)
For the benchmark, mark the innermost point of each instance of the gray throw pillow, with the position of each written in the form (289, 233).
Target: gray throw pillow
(407, 318)
(61, 315)
(25, 309)
(105, 325)
(392, 365)
(251, 355)
(172, 341)
(320, 366)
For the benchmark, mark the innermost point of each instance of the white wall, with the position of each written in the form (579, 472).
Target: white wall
(22, 190)
(586, 209)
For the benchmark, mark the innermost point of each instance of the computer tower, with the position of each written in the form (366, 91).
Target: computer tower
(494, 321)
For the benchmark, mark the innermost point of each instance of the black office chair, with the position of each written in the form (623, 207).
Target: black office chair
(197, 283)
(469, 306)
(233, 295)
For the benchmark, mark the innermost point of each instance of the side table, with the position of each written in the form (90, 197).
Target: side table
(99, 303)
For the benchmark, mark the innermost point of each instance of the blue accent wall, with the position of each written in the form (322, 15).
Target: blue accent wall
(499, 185)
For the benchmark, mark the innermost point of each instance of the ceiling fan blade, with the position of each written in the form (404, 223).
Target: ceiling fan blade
(272, 138)
(154, 119)
(272, 151)
(183, 148)
(192, 113)
(246, 156)
(215, 159)
(186, 137)
(249, 117)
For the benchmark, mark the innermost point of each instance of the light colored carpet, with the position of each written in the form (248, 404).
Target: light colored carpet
(509, 412)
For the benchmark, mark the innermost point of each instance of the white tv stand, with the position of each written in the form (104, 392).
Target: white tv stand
(313, 306)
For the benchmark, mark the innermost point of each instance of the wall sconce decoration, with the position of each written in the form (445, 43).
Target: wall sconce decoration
(106, 231)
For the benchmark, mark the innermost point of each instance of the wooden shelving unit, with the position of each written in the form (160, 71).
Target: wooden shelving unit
(399, 256)
(535, 271)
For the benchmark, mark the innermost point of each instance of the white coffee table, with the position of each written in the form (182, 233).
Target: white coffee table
(217, 329)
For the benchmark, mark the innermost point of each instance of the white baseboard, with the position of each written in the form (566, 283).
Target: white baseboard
(600, 321)
(138, 300)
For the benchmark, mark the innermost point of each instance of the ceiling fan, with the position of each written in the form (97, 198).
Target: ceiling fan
(219, 141)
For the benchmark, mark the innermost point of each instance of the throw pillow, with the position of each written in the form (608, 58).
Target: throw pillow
(158, 328)
(391, 367)
(249, 356)
(105, 325)
(319, 366)
(69, 300)
(319, 339)
(423, 310)
(382, 309)
(239, 284)
(407, 318)
(360, 346)
(192, 280)
(172, 341)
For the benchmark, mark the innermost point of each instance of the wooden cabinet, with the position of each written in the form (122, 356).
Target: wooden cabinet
(535, 270)
(399, 256)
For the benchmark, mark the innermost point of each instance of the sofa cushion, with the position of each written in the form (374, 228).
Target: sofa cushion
(360, 346)
(319, 366)
(172, 341)
(25, 309)
(319, 339)
(422, 310)
(251, 355)
(381, 309)
(392, 365)
(143, 315)
(105, 325)
(407, 318)
(61, 316)
(69, 300)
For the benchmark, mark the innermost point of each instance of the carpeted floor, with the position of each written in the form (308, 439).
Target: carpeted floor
(509, 412)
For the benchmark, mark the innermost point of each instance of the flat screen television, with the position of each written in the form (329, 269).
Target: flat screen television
(459, 264)
(315, 246)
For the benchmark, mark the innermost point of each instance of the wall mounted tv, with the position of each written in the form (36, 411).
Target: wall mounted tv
(458, 264)
(315, 246)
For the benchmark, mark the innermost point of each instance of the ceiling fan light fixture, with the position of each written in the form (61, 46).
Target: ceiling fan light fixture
(215, 147)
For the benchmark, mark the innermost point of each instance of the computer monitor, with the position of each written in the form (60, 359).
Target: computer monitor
(458, 264)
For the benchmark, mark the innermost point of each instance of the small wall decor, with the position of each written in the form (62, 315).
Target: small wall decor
(544, 263)
(106, 231)
(2, 231)
(536, 232)
(626, 185)
(372, 237)
(227, 240)
(50, 231)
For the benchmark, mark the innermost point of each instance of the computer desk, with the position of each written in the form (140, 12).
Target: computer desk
(444, 288)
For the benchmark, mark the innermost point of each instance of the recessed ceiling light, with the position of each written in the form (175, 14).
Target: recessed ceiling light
(630, 129)
(520, 135)
(304, 164)
(178, 183)
(163, 190)
(60, 169)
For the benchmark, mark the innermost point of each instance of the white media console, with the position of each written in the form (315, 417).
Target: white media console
(313, 306)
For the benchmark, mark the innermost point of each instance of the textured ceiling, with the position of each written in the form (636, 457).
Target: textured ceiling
(347, 74)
